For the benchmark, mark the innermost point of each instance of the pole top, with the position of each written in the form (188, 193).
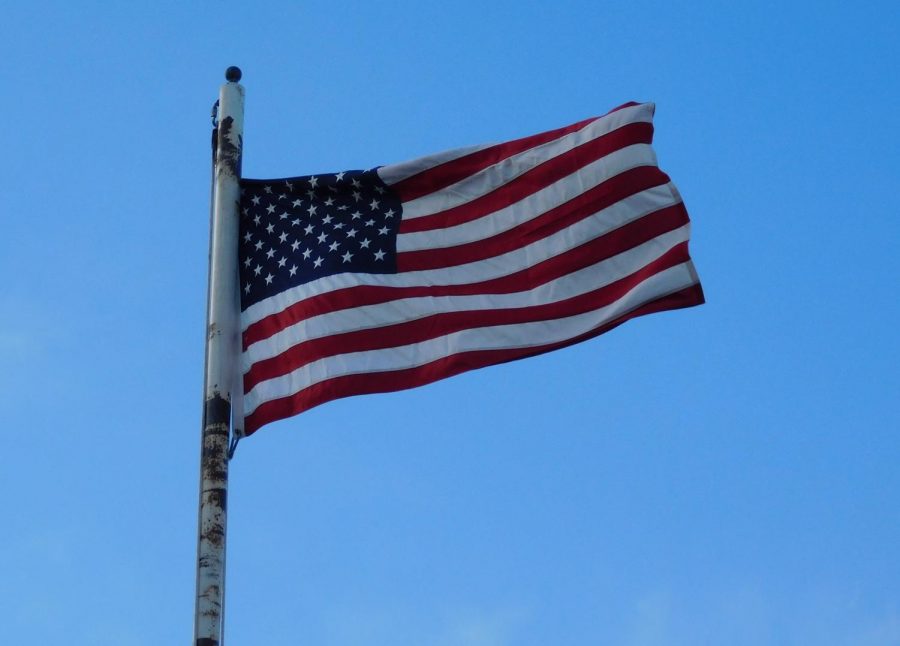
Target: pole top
(233, 74)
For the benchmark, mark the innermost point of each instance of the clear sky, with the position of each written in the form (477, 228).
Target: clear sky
(720, 475)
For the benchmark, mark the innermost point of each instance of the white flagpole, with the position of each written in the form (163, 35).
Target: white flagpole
(221, 362)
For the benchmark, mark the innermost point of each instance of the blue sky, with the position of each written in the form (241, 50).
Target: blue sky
(720, 475)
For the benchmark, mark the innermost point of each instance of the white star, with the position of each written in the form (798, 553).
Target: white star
(355, 182)
(379, 255)
(312, 209)
(282, 196)
(370, 222)
(373, 205)
(317, 262)
(357, 196)
(256, 220)
(383, 231)
(333, 246)
(355, 215)
(329, 201)
(267, 189)
(270, 253)
(308, 229)
(339, 176)
(258, 245)
(293, 270)
(282, 261)
(342, 207)
(389, 213)
(247, 261)
(297, 202)
(310, 194)
(347, 256)
(294, 245)
(380, 189)
(282, 237)
(270, 228)
(339, 225)
(248, 236)
(306, 254)
(295, 222)
(247, 288)
(327, 219)
(313, 181)
(271, 208)
(364, 244)
(351, 233)
(290, 185)
(255, 200)
(283, 216)
(322, 237)
(257, 269)
(269, 278)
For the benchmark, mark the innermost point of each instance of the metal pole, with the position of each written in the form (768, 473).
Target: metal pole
(221, 362)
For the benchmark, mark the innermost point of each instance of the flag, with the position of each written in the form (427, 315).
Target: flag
(380, 280)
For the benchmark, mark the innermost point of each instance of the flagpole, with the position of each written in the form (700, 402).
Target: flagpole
(222, 330)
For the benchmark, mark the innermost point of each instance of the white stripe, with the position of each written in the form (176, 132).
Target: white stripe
(531, 206)
(492, 177)
(393, 173)
(366, 317)
(519, 335)
(614, 216)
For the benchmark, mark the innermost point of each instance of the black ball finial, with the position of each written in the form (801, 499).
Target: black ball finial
(233, 74)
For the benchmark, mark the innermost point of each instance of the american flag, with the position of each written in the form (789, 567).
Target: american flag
(380, 280)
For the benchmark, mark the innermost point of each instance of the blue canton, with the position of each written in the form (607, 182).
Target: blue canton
(296, 230)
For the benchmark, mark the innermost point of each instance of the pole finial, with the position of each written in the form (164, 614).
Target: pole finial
(233, 74)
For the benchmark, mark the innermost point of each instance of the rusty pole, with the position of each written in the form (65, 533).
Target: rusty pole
(221, 363)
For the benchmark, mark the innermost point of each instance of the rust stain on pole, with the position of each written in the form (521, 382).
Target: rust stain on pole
(213, 507)
(229, 152)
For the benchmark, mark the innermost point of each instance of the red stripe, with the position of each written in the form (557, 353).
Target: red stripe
(362, 384)
(533, 180)
(556, 219)
(442, 324)
(628, 104)
(592, 251)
